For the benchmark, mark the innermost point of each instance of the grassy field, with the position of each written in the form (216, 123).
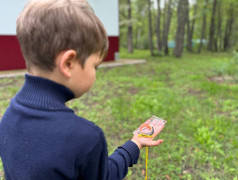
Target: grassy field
(197, 95)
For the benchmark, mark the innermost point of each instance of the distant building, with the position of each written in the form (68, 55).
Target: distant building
(10, 53)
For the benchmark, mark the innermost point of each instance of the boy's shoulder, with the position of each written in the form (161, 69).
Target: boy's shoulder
(82, 128)
(86, 126)
(83, 135)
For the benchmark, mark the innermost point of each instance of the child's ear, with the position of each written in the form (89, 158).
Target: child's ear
(67, 61)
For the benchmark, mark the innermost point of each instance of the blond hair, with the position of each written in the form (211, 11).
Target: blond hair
(47, 27)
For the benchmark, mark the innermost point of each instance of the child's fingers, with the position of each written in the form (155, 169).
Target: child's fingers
(154, 143)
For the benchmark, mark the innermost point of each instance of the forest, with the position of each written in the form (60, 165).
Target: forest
(189, 79)
(173, 26)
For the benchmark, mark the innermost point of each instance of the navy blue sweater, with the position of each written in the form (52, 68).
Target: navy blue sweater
(40, 138)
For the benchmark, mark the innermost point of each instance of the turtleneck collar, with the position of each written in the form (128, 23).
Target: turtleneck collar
(43, 93)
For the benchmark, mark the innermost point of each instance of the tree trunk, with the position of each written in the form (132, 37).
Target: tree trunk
(129, 29)
(182, 18)
(158, 31)
(219, 25)
(188, 32)
(228, 31)
(212, 27)
(138, 36)
(191, 30)
(164, 25)
(150, 30)
(234, 36)
(166, 29)
(203, 33)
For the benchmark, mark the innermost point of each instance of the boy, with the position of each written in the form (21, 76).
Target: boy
(62, 42)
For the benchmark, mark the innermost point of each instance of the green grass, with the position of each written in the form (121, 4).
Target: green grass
(1, 171)
(197, 95)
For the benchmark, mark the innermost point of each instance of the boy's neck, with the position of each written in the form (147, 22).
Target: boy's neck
(51, 75)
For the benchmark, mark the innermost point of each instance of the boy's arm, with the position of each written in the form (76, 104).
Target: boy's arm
(115, 167)
(122, 158)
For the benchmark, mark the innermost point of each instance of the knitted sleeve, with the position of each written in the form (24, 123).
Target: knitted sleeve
(99, 165)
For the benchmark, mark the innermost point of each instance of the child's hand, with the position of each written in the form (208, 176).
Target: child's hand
(145, 134)
(143, 142)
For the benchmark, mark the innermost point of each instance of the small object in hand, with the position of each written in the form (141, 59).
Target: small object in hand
(146, 129)
(150, 128)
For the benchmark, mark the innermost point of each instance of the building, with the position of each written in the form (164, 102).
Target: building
(10, 53)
